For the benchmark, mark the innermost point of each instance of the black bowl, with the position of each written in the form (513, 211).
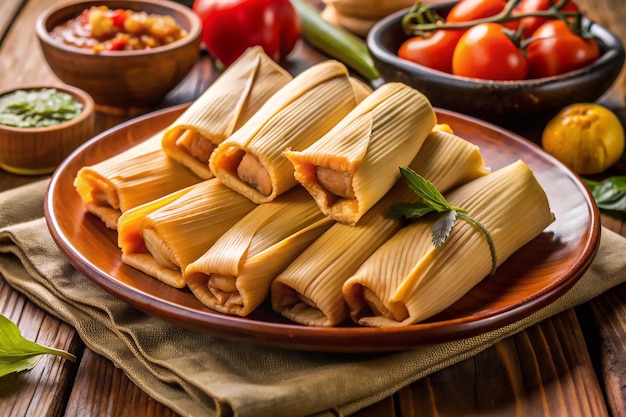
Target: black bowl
(504, 102)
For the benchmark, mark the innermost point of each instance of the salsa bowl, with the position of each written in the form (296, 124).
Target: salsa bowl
(137, 78)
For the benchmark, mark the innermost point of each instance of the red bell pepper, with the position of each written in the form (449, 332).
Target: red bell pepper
(119, 17)
(229, 27)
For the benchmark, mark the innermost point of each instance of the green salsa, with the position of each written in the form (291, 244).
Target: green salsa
(37, 108)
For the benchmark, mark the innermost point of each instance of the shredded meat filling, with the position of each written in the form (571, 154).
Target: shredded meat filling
(197, 145)
(251, 171)
(335, 182)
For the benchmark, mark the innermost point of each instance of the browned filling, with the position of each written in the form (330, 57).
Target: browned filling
(335, 182)
(102, 194)
(197, 145)
(251, 171)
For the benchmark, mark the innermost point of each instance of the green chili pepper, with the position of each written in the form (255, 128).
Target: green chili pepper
(334, 41)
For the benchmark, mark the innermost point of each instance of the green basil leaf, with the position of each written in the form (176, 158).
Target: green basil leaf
(19, 354)
(425, 189)
(10, 365)
(609, 194)
(410, 210)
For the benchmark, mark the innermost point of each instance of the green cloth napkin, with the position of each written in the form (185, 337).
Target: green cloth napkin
(196, 374)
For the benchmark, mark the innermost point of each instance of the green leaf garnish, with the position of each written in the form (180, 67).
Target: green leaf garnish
(410, 210)
(425, 189)
(610, 194)
(19, 354)
(433, 203)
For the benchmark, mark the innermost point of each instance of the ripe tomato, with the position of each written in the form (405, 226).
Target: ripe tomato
(486, 52)
(468, 10)
(531, 23)
(557, 50)
(433, 51)
(229, 27)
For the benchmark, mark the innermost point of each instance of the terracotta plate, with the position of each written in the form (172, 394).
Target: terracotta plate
(534, 276)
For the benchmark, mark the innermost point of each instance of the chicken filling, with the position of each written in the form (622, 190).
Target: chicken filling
(251, 171)
(196, 145)
(335, 182)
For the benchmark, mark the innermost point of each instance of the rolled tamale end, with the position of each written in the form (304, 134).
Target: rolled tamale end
(131, 178)
(251, 161)
(309, 290)
(224, 107)
(235, 274)
(356, 163)
(162, 237)
(408, 279)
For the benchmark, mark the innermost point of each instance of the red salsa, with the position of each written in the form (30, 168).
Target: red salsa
(103, 29)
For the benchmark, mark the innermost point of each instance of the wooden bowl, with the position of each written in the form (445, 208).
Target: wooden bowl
(122, 79)
(36, 151)
(504, 102)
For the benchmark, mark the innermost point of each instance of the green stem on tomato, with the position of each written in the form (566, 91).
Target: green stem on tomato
(421, 19)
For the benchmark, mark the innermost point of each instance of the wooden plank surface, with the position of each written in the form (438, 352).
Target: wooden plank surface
(22, 60)
(545, 371)
(607, 338)
(8, 10)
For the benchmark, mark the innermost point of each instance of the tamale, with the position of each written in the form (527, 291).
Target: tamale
(251, 161)
(131, 178)
(308, 291)
(235, 274)
(163, 236)
(226, 105)
(408, 279)
(351, 167)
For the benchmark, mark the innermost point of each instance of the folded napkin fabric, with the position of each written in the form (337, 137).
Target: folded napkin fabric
(197, 374)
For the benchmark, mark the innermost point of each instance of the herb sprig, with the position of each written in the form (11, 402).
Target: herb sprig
(433, 203)
(19, 354)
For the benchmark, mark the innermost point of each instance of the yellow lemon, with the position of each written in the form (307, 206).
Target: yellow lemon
(587, 137)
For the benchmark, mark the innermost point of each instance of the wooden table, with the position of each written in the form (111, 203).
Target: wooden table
(573, 364)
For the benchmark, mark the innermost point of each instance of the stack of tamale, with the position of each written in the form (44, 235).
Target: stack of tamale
(278, 188)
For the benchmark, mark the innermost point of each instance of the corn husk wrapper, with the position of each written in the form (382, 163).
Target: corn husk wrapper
(298, 115)
(131, 178)
(235, 275)
(359, 16)
(162, 237)
(368, 9)
(408, 280)
(364, 150)
(226, 105)
(309, 290)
